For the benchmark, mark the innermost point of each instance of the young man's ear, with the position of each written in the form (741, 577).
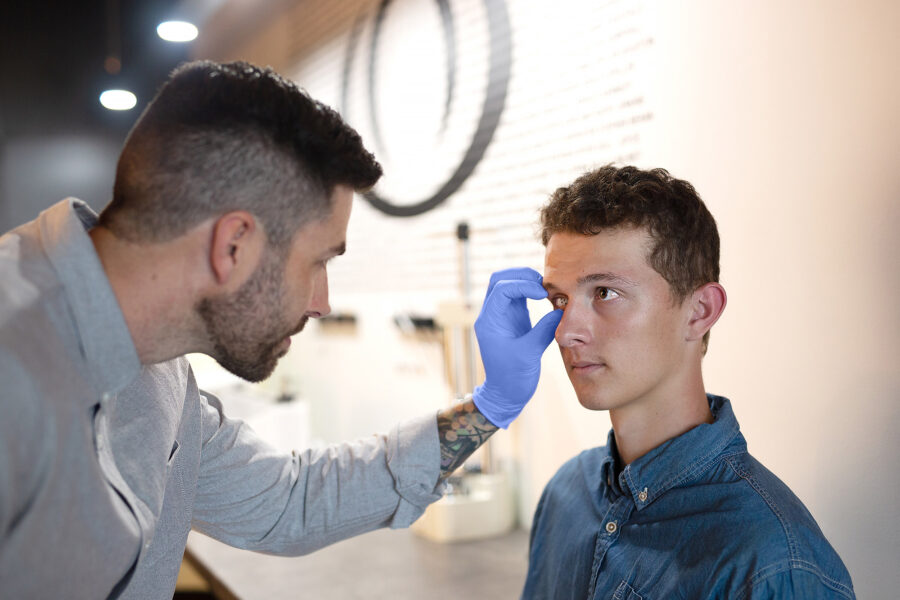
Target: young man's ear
(707, 303)
(235, 246)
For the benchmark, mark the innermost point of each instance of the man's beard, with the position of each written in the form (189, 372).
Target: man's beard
(246, 328)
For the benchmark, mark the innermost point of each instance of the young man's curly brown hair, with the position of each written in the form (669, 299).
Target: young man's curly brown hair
(685, 249)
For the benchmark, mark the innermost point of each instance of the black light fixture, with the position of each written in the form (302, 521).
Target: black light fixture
(115, 98)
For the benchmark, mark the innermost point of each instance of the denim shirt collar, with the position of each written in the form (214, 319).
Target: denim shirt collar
(676, 461)
(104, 337)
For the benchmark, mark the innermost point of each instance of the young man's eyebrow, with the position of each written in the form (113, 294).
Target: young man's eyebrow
(606, 278)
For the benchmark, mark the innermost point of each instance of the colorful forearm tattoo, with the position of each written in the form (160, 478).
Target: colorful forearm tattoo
(462, 429)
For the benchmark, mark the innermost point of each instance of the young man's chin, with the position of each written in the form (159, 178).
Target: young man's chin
(605, 395)
(593, 400)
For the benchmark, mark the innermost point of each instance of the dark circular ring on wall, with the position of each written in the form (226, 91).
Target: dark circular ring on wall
(494, 100)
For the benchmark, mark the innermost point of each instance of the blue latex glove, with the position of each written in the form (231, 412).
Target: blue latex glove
(510, 348)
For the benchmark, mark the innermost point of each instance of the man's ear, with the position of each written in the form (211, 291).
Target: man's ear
(707, 303)
(235, 246)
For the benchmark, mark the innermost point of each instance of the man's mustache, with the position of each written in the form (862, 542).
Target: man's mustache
(300, 326)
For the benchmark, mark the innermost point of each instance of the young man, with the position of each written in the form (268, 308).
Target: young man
(673, 506)
(232, 193)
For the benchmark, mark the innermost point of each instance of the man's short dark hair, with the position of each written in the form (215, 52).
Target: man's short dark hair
(223, 137)
(685, 250)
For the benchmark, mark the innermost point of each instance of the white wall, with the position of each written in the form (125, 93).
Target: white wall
(783, 115)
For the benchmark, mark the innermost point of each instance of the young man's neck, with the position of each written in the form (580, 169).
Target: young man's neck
(640, 427)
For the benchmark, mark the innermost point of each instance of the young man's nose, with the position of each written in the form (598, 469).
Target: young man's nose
(574, 328)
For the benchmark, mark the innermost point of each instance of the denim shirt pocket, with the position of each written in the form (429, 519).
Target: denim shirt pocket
(626, 592)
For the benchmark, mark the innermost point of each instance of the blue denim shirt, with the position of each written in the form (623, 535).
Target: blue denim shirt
(696, 517)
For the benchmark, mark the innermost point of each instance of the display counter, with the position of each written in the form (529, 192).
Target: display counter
(394, 564)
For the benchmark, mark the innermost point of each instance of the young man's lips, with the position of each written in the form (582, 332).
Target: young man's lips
(583, 368)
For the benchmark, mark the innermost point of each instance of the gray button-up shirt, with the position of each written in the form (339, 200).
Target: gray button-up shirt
(106, 464)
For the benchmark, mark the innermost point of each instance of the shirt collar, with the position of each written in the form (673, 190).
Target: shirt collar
(607, 467)
(680, 459)
(104, 338)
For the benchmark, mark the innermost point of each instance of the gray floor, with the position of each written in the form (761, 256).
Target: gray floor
(382, 564)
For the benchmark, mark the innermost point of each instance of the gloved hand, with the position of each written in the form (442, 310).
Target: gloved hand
(510, 349)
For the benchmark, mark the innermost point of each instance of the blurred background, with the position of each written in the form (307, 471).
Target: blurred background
(783, 115)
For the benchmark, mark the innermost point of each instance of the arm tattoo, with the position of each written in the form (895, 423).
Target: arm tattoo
(461, 429)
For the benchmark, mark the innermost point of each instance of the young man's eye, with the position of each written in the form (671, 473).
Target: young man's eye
(559, 301)
(604, 293)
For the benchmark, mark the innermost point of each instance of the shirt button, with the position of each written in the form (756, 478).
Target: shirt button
(611, 527)
(642, 496)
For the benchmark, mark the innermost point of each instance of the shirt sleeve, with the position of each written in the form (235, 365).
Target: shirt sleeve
(804, 581)
(251, 496)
